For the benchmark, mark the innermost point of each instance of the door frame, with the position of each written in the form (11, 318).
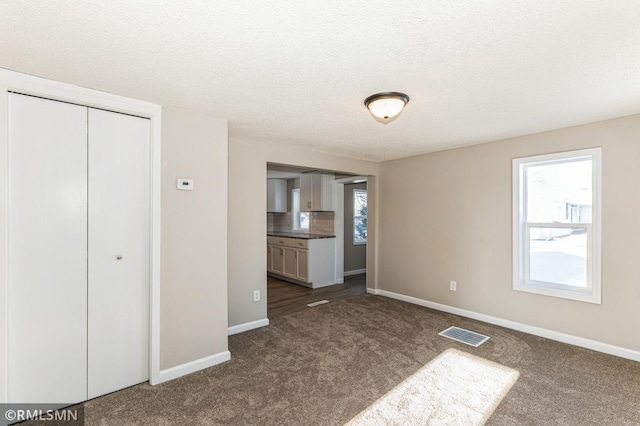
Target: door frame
(11, 81)
(340, 218)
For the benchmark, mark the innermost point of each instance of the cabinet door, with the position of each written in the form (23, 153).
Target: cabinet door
(306, 190)
(271, 195)
(276, 195)
(316, 192)
(290, 262)
(277, 257)
(314, 188)
(303, 265)
(269, 260)
(47, 280)
(118, 297)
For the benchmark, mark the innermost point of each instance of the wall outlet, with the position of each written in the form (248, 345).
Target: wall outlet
(453, 286)
(256, 295)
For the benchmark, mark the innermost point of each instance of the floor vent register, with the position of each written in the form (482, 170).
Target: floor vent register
(464, 336)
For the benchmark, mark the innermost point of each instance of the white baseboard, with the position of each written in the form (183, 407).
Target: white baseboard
(240, 328)
(355, 272)
(340, 281)
(192, 367)
(537, 331)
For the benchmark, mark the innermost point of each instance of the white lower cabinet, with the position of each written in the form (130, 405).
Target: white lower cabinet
(277, 259)
(269, 259)
(303, 265)
(310, 262)
(291, 262)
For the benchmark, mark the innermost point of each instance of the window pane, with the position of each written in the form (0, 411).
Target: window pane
(359, 202)
(558, 255)
(304, 220)
(360, 229)
(559, 192)
(359, 215)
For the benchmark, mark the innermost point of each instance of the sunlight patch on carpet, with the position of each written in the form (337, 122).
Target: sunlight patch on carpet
(455, 388)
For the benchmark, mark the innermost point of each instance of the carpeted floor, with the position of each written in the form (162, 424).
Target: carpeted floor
(324, 365)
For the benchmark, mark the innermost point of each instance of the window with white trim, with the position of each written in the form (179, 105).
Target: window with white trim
(300, 219)
(556, 225)
(359, 216)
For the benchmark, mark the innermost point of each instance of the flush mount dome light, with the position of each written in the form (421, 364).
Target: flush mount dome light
(386, 105)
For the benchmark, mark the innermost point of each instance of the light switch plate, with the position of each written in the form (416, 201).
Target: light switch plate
(184, 184)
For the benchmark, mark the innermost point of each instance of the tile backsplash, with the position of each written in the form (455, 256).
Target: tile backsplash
(279, 222)
(321, 223)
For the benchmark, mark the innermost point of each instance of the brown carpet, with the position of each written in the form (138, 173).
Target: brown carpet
(324, 365)
(454, 388)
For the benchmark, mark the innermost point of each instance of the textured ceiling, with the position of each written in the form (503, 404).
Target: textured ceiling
(297, 72)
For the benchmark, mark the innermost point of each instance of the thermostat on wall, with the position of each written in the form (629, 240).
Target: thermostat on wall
(185, 184)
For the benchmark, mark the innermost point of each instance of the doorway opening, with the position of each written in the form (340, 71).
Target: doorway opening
(314, 214)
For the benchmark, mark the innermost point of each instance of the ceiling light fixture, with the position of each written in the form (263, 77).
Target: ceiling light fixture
(386, 105)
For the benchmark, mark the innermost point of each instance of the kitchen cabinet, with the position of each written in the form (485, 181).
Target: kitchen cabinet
(269, 259)
(291, 262)
(303, 265)
(317, 192)
(308, 262)
(276, 195)
(277, 259)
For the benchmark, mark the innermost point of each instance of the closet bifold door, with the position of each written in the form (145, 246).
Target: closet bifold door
(47, 273)
(118, 298)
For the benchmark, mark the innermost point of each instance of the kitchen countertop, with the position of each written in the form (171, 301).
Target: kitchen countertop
(300, 235)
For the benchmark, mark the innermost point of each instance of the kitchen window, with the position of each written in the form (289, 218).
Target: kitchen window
(359, 216)
(556, 225)
(300, 219)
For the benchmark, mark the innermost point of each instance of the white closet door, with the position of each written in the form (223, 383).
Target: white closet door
(47, 327)
(119, 158)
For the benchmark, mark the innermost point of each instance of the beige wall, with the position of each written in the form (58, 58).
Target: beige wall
(193, 314)
(247, 215)
(447, 216)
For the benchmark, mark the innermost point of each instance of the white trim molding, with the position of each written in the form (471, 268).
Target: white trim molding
(536, 331)
(192, 367)
(355, 272)
(241, 328)
(11, 81)
(524, 223)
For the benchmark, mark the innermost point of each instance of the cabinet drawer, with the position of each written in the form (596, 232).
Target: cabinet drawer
(298, 243)
(288, 242)
(275, 241)
(280, 241)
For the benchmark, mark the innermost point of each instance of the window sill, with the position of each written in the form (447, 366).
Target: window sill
(590, 297)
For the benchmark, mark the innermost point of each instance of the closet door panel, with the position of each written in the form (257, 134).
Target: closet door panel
(119, 193)
(47, 276)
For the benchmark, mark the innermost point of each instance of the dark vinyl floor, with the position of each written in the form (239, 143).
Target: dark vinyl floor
(284, 298)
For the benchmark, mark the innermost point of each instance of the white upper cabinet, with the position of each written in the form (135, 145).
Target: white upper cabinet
(276, 195)
(317, 192)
